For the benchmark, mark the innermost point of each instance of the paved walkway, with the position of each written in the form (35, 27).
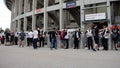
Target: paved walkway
(27, 57)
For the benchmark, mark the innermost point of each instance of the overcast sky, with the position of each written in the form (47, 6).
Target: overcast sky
(5, 16)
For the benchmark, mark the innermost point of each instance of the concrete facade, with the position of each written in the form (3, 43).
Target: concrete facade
(29, 14)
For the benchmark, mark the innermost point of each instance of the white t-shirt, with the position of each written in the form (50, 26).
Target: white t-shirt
(30, 34)
(16, 34)
(106, 34)
(89, 33)
(67, 36)
(35, 34)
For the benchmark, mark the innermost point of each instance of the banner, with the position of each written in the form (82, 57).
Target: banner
(71, 4)
(96, 16)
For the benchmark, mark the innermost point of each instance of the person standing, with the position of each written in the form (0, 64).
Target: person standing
(42, 38)
(118, 40)
(53, 35)
(35, 38)
(67, 36)
(22, 38)
(115, 35)
(89, 35)
(3, 37)
(105, 38)
(12, 38)
(76, 37)
(30, 38)
(7, 38)
(16, 38)
(62, 38)
(96, 37)
(0, 37)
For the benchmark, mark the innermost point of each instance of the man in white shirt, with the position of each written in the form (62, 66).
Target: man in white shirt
(35, 38)
(89, 34)
(30, 38)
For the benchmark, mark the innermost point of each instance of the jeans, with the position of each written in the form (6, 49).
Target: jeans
(35, 43)
(53, 43)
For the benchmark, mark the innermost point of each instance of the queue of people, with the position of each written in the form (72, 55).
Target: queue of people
(95, 38)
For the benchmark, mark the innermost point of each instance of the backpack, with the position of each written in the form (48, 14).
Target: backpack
(115, 34)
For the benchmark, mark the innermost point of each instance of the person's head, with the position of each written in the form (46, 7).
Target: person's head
(53, 29)
(104, 26)
(89, 27)
(115, 25)
(22, 30)
(38, 28)
(65, 30)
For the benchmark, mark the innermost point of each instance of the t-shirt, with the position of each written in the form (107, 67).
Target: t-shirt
(95, 32)
(62, 35)
(52, 34)
(22, 35)
(89, 33)
(30, 34)
(35, 34)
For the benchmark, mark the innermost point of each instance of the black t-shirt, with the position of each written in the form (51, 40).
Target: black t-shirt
(7, 34)
(52, 35)
(95, 31)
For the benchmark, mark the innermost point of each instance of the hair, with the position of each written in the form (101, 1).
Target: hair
(53, 28)
(115, 25)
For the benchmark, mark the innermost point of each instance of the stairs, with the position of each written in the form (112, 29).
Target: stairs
(75, 12)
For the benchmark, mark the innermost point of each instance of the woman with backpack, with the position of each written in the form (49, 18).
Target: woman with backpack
(115, 35)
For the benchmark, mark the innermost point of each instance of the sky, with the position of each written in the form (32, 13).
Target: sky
(5, 16)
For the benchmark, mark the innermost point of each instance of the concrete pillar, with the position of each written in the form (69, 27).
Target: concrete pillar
(12, 12)
(19, 12)
(109, 23)
(25, 24)
(25, 11)
(34, 4)
(11, 26)
(109, 11)
(14, 25)
(81, 22)
(61, 15)
(19, 25)
(20, 7)
(12, 16)
(15, 10)
(45, 16)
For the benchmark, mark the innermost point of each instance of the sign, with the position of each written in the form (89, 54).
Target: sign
(71, 4)
(39, 10)
(96, 16)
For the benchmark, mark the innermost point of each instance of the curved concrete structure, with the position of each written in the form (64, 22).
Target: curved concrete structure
(29, 14)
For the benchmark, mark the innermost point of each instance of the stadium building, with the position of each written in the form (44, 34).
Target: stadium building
(46, 14)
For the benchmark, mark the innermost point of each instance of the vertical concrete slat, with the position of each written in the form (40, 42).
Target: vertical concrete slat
(45, 15)
(34, 4)
(61, 14)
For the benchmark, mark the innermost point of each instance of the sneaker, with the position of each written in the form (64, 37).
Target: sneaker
(93, 49)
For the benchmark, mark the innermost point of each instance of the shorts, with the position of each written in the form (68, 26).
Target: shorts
(96, 40)
(63, 41)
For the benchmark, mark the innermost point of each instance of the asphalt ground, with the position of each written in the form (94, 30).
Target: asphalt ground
(27, 57)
